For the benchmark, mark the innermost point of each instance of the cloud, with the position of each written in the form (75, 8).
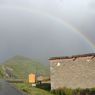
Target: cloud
(40, 36)
(92, 4)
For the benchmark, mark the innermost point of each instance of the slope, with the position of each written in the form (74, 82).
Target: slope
(20, 67)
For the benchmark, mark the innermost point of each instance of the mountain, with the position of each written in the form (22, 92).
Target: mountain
(20, 67)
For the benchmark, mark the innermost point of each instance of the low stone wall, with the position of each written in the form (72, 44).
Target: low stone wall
(73, 73)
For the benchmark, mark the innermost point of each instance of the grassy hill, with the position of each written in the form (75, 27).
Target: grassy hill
(20, 67)
(1, 72)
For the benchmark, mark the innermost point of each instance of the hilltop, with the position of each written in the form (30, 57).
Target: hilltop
(20, 67)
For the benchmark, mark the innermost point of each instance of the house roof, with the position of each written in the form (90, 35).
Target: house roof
(74, 56)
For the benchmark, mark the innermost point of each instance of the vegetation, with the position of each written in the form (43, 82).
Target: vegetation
(20, 67)
(32, 90)
(69, 91)
(61, 91)
(1, 73)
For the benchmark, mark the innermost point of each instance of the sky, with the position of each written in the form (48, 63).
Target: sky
(40, 29)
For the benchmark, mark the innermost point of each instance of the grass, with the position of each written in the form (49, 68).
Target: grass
(32, 90)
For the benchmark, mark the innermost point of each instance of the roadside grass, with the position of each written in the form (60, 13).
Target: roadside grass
(32, 90)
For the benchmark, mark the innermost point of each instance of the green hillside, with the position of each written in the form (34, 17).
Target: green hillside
(1, 72)
(20, 67)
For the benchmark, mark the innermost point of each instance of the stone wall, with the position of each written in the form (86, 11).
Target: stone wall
(73, 73)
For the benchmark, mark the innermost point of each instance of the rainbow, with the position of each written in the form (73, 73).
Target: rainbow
(68, 25)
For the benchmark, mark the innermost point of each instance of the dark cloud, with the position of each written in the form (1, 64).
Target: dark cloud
(37, 28)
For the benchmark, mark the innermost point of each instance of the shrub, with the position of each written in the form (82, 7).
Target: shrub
(69, 91)
(61, 91)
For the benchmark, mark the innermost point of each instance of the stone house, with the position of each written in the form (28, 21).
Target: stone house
(76, 71)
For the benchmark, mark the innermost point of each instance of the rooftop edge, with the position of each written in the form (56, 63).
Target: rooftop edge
(73, 56)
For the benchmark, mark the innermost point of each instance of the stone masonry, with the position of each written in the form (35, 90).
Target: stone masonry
(73, 72)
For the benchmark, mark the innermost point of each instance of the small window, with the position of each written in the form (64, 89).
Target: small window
(58, 64)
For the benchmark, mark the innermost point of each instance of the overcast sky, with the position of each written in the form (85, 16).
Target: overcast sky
(40, 29)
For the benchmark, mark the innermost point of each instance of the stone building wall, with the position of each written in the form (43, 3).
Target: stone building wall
(73, 72)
